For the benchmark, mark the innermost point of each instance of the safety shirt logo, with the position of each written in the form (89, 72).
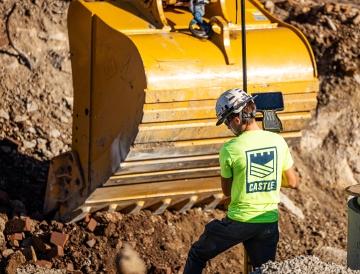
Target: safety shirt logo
(261, 175)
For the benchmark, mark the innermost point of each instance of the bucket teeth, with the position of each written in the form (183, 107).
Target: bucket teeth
(134, 208)
(186, 204)
(82, 213)
(160, 207)
(112, 208)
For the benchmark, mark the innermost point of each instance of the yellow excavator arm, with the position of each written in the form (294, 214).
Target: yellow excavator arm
(144, 133)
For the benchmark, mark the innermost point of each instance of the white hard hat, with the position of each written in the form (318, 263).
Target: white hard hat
(231, 101)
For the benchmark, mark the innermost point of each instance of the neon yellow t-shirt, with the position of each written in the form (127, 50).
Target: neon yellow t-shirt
(255, 160)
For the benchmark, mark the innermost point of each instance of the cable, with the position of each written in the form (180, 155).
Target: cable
(243, 38)
(236, 10)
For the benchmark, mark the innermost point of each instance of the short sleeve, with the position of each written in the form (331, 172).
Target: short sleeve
(225, 164)
(288, 160)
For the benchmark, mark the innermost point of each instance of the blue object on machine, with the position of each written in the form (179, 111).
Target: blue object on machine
(204, 31)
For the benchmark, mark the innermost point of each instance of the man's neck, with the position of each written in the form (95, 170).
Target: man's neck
(252, 126)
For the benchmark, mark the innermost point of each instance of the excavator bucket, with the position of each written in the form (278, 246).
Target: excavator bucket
(144, 133)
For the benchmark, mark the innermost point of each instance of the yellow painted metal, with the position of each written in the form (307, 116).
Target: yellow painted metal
(202, 129)
(203, 65)
(301, 36)
(161, 189)
(117, 98)
(189, 94)
(145, 89)
(131, 17)
(202, 109)
(185, 148)
(80, 21)
(168, 164)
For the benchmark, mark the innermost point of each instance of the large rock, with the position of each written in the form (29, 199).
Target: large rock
(56, 146)
(15, 261)
(289, 204)
(129, 261)
(331, 254)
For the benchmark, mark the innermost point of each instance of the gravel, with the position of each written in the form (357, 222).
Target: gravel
(31, 269)
(305, 264)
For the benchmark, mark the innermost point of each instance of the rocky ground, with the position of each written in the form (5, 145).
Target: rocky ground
(305, 264)
(35, 125)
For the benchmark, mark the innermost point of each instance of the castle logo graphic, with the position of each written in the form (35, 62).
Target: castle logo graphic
(261, 175)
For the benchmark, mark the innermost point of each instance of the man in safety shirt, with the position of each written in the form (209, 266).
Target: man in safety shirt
(254, 165)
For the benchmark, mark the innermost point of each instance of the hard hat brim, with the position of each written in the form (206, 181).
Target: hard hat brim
(220, 121)
(224, 116)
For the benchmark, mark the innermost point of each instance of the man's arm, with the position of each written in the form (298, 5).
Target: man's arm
(226, 186)
(290, 179)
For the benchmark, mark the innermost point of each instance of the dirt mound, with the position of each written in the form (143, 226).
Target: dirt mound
(35, 75)
(35, 117)
(326, 157)
(161, 243)
(36, 95)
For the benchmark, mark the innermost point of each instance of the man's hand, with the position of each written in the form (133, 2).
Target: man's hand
(226, 186)
(289, 178)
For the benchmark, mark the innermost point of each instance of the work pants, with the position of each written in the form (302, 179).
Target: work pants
(260, 241)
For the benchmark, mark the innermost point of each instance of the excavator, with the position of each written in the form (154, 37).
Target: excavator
(145, 87)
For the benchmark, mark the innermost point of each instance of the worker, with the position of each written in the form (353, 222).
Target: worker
(252, 166)
(204, 30)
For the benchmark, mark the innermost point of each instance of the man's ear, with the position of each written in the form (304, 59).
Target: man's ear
(237, 120)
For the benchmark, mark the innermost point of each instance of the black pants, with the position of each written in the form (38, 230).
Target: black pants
(260, 241)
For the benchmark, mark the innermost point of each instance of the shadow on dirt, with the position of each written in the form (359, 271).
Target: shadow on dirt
(22, 181)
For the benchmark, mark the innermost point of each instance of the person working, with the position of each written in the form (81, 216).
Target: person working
(254, 165)
(203, 30)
